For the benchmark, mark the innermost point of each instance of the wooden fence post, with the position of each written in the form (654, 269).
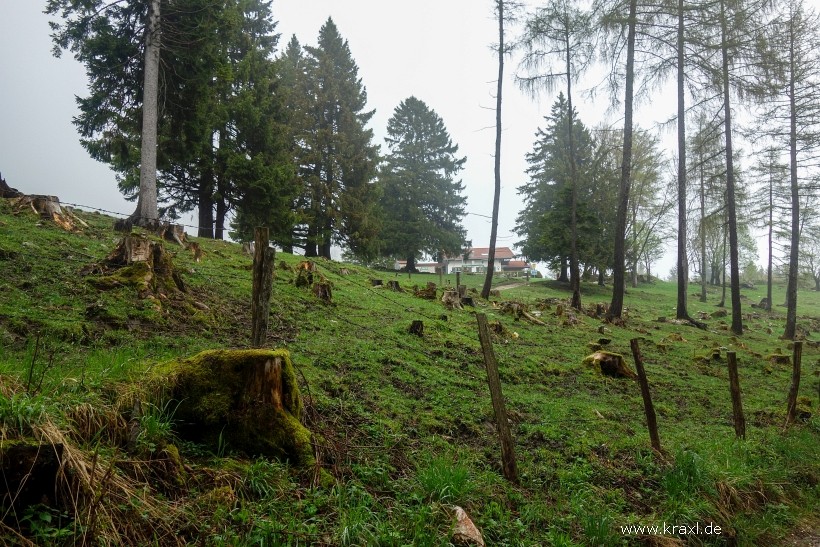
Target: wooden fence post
(458, 280)
(651, 419)
(263, 259)
(734, 387)
(791, 406)
(509, 466)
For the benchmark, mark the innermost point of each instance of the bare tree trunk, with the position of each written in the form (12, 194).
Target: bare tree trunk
(734, 260)
(205, 205)
(702, 235)
(683, 262)
(488, 280)
(147, 209)
(794, 254)
(562, 274)
(771, 228)
(634, 265)
(327, 234)
(574, 269)
(617, 305)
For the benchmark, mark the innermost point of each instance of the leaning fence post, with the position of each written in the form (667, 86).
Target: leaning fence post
(651, 419)
(791, 406)
(263, 258)
(507, 448)
(734, 387)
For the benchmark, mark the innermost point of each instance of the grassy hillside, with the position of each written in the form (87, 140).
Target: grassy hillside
(404, 424)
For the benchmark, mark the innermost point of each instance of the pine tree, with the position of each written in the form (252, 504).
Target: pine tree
(421, 196)
(337, 160)
(119, 44)
(545, 221)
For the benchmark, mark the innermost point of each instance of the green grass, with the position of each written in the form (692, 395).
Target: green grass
(405, 424)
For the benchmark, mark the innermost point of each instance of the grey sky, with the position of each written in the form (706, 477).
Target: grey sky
(439, 51)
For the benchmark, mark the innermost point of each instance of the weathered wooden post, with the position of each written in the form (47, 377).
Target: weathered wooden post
(263, 258)
(509, 466)
(458, 280)
(649, 409)
(791, 406)
(734, 387)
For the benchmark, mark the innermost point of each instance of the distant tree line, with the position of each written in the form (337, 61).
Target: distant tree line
(601, 198)
(249, 135)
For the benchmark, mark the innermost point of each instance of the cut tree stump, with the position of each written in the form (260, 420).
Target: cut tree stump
(323, 291)
(246, 400)
(49, 208)
(394, 286)
(8, 192)
(451, 300)
(610, 364)
(417, 328)
(141, 263)
(428, 293)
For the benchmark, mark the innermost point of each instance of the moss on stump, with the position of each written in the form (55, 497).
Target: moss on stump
(247, 399)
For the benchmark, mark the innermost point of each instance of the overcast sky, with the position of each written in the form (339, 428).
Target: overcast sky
(437, 50)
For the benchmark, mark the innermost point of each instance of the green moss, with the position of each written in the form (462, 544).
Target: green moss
(137, 275)
(214, 408)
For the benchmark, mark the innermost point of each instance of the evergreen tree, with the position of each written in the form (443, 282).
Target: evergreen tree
(337, 160)
(421, 196)
(218, 114)
(119, 44)
(545, 221)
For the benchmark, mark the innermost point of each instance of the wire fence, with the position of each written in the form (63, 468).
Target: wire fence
(382, 336)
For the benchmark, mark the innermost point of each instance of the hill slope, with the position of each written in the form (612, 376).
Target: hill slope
(403, 423)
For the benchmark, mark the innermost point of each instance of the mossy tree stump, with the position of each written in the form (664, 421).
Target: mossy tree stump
(248, 400)
(139, 262)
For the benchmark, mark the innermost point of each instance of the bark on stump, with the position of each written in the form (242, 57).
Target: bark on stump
(610, 364)
(451, 300)
(247, 400)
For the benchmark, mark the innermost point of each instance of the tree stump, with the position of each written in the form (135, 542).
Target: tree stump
(138, 262)
(451, 300)
(394, 286)
(417, 328)
(304, 274)
(428, 293)
(247, 400)
(8, 192)
(610, 364)
(376, 283)
(322, 290)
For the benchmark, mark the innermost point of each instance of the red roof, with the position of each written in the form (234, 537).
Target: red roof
(501, 253)
(517, 264)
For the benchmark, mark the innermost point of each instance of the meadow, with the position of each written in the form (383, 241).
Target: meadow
(404, 424)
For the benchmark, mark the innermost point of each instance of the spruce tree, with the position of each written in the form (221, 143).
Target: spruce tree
(337, 160)
(421, 194)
